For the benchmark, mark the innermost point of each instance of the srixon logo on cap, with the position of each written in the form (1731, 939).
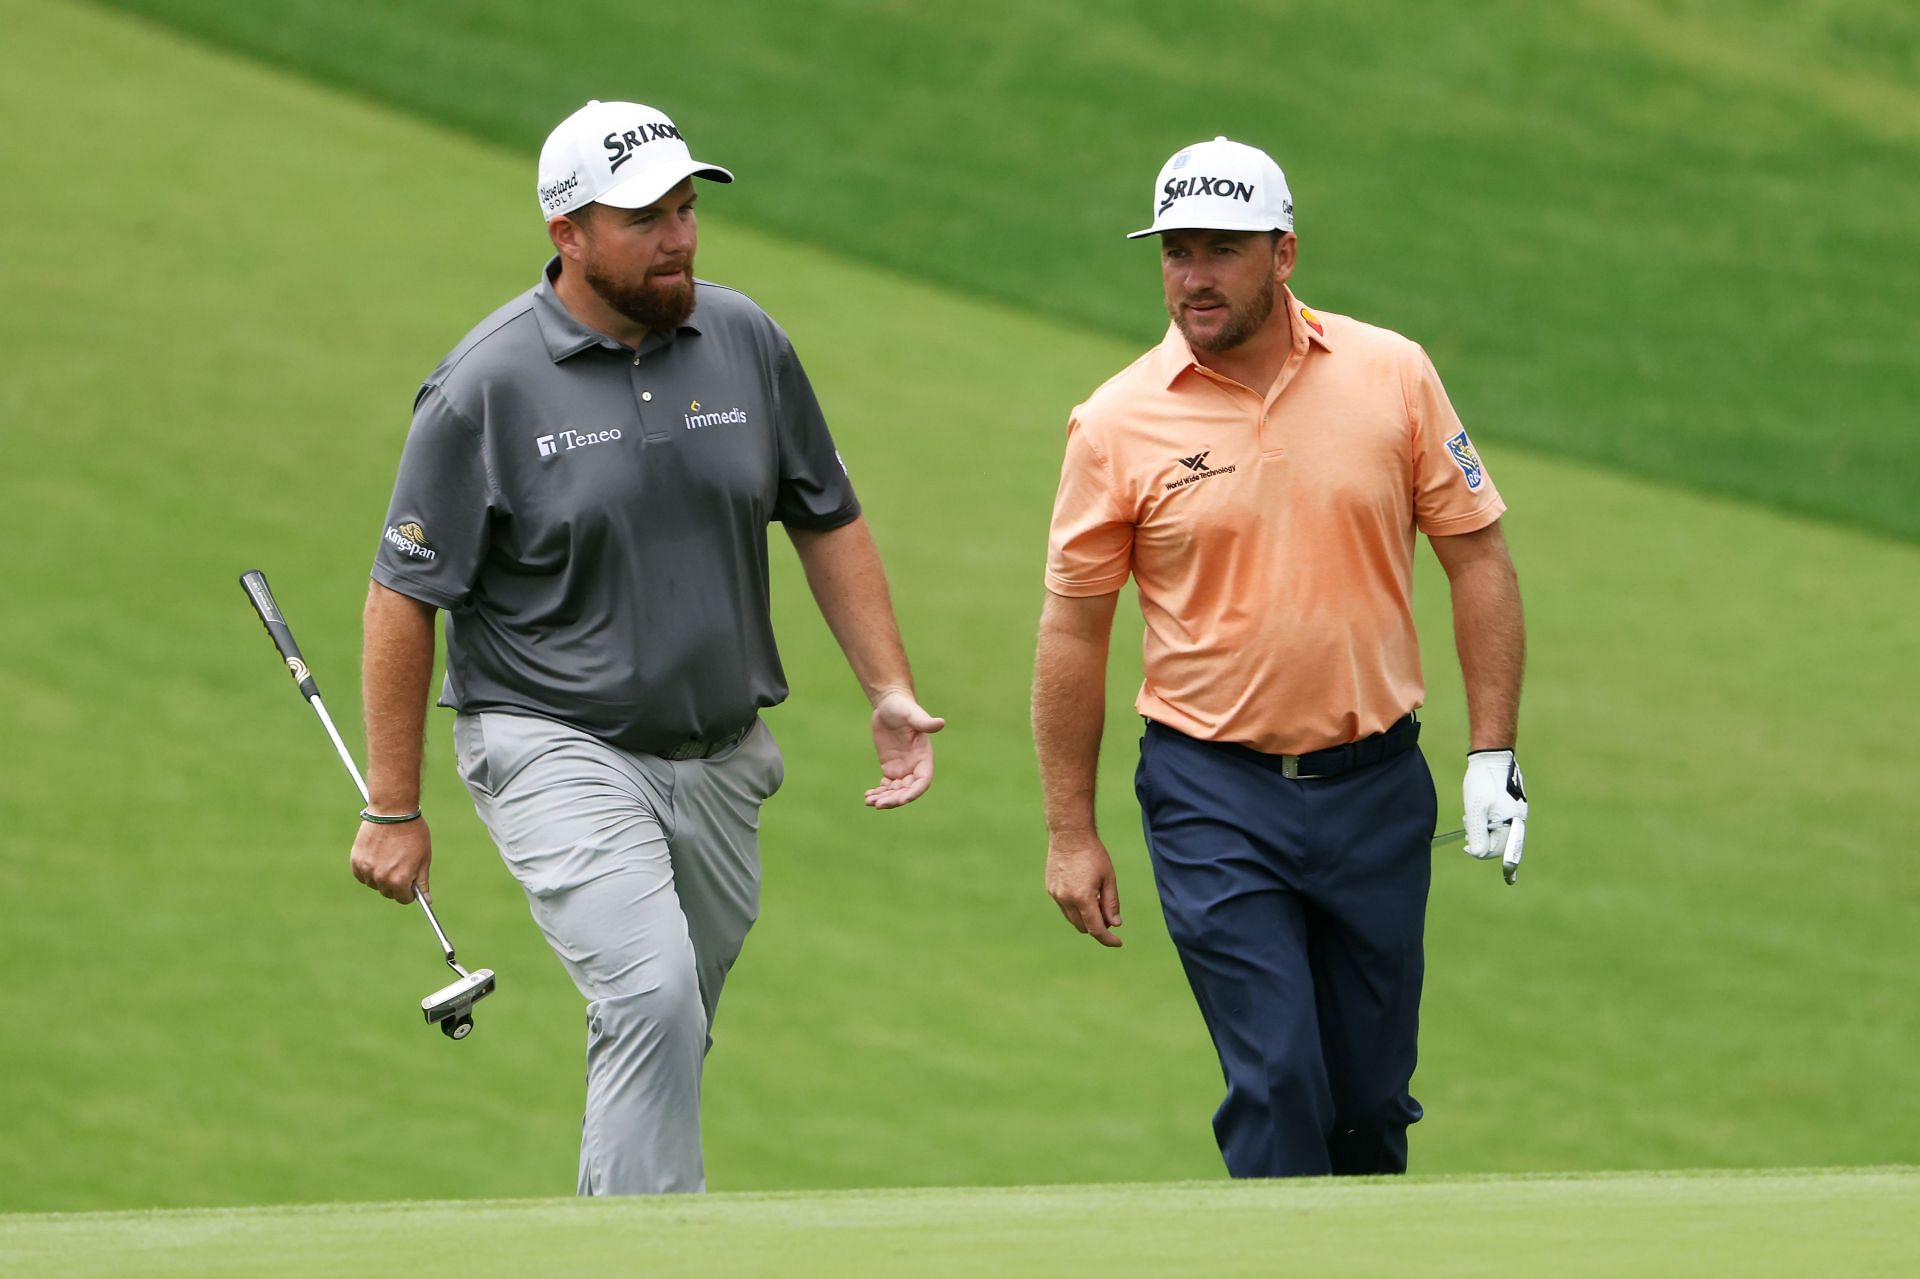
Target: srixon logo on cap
(1181, 188)
(621, 146)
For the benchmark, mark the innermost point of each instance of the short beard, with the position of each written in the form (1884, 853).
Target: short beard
(656, 309)
(1242, 323)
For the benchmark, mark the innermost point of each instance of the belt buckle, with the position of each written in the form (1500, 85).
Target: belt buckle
(1290, 767)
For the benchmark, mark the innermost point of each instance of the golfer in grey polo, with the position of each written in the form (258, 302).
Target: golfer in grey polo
(585, 491)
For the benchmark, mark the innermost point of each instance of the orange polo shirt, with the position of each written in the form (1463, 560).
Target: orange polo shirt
(1271, 538)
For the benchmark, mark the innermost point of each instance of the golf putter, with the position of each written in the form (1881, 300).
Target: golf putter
(450, 1007)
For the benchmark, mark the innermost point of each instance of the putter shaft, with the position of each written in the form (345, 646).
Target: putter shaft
(353, 771)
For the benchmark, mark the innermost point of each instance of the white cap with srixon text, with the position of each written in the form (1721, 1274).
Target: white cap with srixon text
(618, 153)
(1220, 186)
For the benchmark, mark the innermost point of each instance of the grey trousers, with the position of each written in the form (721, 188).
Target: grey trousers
(644, 874)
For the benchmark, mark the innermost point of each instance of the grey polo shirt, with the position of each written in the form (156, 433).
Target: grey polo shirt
(594, 518)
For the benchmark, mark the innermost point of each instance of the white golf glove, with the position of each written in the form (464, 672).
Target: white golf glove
(1496, 818)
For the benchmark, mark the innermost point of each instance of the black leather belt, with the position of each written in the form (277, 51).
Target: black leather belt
(706, 747)
(1397, 739)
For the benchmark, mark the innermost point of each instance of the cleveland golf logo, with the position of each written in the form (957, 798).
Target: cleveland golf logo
(555, 194)
(1467, 458)
(1181, 188)
(1198, 465)
(410, 540)
(621, 146)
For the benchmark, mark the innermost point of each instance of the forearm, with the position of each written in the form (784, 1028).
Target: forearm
(396, 667)
(849, 585)
(1489, 632)
(1070, 706)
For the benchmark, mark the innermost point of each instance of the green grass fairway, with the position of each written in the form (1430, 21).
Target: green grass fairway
(1753, 1225)
(1680, 239)
(214, 335)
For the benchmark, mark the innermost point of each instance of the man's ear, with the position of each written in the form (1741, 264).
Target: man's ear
(569, 236)
(1286, 252)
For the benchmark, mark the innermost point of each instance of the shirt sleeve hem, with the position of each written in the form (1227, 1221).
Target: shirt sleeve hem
(413, 590)
(1084, 590)
(1471, 522)
(823, 523)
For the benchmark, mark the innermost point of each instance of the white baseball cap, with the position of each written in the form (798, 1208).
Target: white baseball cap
(1220, 186)
(618, 153)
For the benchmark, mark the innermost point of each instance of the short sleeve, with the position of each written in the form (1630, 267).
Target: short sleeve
(1452, 492)
(439, 517)
(814, 491)
(1090, 544)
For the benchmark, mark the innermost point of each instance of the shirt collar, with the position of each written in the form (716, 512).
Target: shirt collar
(565, 336)
(1175, 357)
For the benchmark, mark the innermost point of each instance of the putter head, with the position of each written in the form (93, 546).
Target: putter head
(452, 1005)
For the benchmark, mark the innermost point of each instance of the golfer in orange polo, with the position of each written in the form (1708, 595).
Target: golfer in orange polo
(1261, 475)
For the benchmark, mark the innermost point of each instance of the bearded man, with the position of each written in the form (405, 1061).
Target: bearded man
(585, 491)
(1261, 475)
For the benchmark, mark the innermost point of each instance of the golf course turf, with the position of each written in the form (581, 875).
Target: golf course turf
(218, 328)
(1755, 1225)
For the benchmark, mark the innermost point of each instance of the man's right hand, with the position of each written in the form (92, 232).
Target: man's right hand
(391, 859)
(1080, 879)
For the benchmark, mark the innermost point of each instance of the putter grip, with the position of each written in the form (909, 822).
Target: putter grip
(255, 584)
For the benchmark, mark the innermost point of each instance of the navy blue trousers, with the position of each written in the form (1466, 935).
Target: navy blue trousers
(1298, 908)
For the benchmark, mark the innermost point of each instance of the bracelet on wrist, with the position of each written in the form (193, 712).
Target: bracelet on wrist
(388, 819)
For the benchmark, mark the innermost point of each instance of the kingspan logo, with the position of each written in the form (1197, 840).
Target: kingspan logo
(695, 418)
(621, 146)
(410, 540)
(1181, 188)
(567, 441)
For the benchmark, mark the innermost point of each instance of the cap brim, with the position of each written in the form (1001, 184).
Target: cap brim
(642, 189)
(1186, 225)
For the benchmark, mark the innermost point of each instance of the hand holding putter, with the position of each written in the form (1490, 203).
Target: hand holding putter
(451, 1006)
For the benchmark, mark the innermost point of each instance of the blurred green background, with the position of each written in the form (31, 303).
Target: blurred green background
(1679, 241)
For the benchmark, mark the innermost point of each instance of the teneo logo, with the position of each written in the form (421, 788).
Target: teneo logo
(621, 146)
(1226, 188)
(695, 419)
(1198, 465)
(410, 540)
(555, 194)
(567, 441)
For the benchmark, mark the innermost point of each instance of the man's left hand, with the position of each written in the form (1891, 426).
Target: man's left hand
(900, 738)
(1496, 804)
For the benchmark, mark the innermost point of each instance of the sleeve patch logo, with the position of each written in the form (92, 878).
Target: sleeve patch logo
(410, 540)
(1468, 460)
